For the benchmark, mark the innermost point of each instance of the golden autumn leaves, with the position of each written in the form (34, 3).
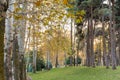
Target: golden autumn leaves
(79, 16)
(65, 2)
(76, 15)
(38, 3)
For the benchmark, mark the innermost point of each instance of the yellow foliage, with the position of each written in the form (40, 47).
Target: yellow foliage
(65, 2)
(17, 17)
(70, 6)
(60, 17)
(79, 19)
(82, 13)
(17, 10)
(1, 18)
(56, 1)
(45, 22)
(38, 3)
(29, 28)
(71, 15)
(79, 16)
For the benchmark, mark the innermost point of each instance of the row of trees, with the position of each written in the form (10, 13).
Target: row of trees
(97, 11)
(21, 16)
(26, 21)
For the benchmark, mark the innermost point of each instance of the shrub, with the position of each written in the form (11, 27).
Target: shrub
(40, 64)
(68, 60)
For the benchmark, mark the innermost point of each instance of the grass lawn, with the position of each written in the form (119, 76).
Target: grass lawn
(78, 73)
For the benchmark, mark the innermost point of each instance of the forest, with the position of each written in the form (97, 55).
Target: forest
(59, 38)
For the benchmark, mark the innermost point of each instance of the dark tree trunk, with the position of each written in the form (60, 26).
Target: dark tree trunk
(104, 44)
(74, 60)
(56, 61)
(99, 54)
(112, 38)
(119, 46)
(2, 30)
(48, 61)
(104, 40)
(71, 60)
(3, 9)
(15, 57)
(77, 53)
(92, 39)
(109, 51)
(88, 46)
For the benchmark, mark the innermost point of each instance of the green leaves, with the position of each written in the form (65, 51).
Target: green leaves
(105, 12)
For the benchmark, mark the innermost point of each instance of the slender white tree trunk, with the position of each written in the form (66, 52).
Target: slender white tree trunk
(14, 47)
(8, 45)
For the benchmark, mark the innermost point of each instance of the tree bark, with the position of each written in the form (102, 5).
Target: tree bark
(71, 43)
(3, 9)
(119, 46)
(15, 57)
(34, 51)
(112, 38)
(8, 48)
(105, 61)
(77, 53)
(99, 53)
(2, 30)
(48, 60)
(88, 46)
(92, 39)
(56, 61)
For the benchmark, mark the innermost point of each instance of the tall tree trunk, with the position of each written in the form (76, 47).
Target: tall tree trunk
(92, 39)
(104, 40)
(14, 49)
(21, 41)
(2, 30)
(99, 53)
(88, 45)
(3, 8)
(8, 48)
(74, 45)
(34, 52)
(71, 43)
(109, 49)
(15, 57)
(48, 60)
(119, 46)
(112, 34)
(56, 61)
(105, 61)
(77, 53)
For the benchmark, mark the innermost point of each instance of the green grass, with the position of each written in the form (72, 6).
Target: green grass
(78, 73)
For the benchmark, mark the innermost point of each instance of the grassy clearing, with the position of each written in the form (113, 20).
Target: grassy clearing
(78, 73)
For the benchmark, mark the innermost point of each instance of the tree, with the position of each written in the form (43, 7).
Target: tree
(112, 34)
(117, 28)
(3, 9)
